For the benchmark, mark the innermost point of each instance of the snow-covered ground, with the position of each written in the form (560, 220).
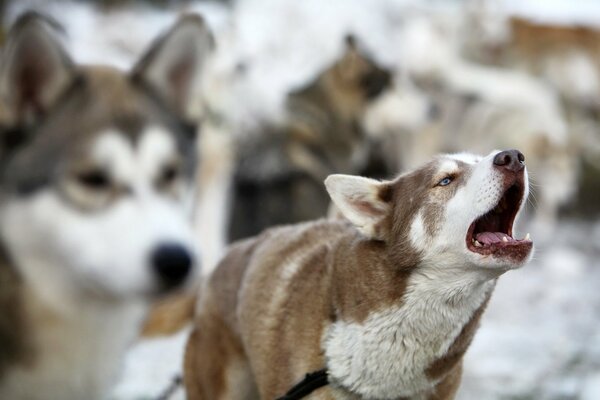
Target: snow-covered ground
(151, 367)
(540, 337)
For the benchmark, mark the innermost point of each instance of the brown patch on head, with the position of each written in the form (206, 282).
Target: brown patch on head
(434, 209)
(409, 193)
(419, 192)
(104, 97)
(100, 99)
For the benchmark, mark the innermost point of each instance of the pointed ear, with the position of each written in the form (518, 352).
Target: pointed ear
(363, 201)
(36, 69)
(172, 65)
(350, 41)
(349, 64)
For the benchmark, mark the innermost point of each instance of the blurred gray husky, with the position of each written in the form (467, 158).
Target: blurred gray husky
(96, 167)
(279, 174)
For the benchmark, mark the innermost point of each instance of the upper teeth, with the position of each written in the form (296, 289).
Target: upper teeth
(527, 237)
(504, 239)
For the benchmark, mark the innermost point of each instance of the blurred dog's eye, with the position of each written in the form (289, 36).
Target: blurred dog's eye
(169, 174)
(94, 179)
(446, 181)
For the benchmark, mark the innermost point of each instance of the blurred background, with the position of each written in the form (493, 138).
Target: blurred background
(297, 90)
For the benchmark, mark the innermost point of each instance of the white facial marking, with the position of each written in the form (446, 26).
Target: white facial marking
(113, 151)
(480, 193)
(61, 249)
(418, 235)
(448, 167)
(467, 158)
(131, 165)
(155, 149)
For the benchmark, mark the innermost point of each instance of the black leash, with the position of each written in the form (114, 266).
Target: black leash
(309, 384)
(171, 389)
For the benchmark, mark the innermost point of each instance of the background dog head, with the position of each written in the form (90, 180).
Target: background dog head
(456, 211)
(97, 164)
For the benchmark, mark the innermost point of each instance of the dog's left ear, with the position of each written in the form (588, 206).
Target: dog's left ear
(363, 201)
(35, 70)
(173, 64)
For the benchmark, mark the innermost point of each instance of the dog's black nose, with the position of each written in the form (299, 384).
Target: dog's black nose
(172, 263)
(512, 160)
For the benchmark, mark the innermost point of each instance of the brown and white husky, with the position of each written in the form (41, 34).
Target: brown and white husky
(387, 300)
(96, 170)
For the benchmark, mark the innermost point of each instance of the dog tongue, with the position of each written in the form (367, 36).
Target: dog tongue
(491, 237)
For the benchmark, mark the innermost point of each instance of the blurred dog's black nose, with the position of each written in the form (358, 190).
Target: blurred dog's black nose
(512, 160)
(172, 263)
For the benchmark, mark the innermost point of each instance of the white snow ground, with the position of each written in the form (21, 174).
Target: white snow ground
(540, 337)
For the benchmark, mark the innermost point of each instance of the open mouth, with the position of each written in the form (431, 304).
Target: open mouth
(492, 233)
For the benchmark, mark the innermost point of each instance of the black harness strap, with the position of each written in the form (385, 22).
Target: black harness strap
(173, 386)
(309, 384)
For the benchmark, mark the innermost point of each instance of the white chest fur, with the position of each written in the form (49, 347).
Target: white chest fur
(75, 356)
(386, 356)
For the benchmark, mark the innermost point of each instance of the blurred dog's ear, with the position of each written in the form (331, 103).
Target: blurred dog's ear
(363, 201)
(350, 64)
(350, 41)
(173, 64)
(357, 67)
(36, 69)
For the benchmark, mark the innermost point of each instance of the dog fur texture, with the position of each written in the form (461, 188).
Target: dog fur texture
(387, 299)
(97, 170)
(279, 172)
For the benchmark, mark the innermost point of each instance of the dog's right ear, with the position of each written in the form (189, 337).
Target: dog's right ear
(35, 70)
(363, 201)
(173, 64)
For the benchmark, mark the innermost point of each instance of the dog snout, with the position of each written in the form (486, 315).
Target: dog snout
(172, 263)
(511, 160)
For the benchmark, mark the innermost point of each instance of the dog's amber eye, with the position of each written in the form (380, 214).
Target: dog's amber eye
(446, 181)
(94, 179)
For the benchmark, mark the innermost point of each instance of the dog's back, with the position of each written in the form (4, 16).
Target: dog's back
(244, 305)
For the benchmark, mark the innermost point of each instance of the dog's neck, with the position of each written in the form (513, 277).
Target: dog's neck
(405, 320)
(66, 336)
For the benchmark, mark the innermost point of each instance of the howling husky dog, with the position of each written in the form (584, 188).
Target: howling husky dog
(387, 302)
(96, 171)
